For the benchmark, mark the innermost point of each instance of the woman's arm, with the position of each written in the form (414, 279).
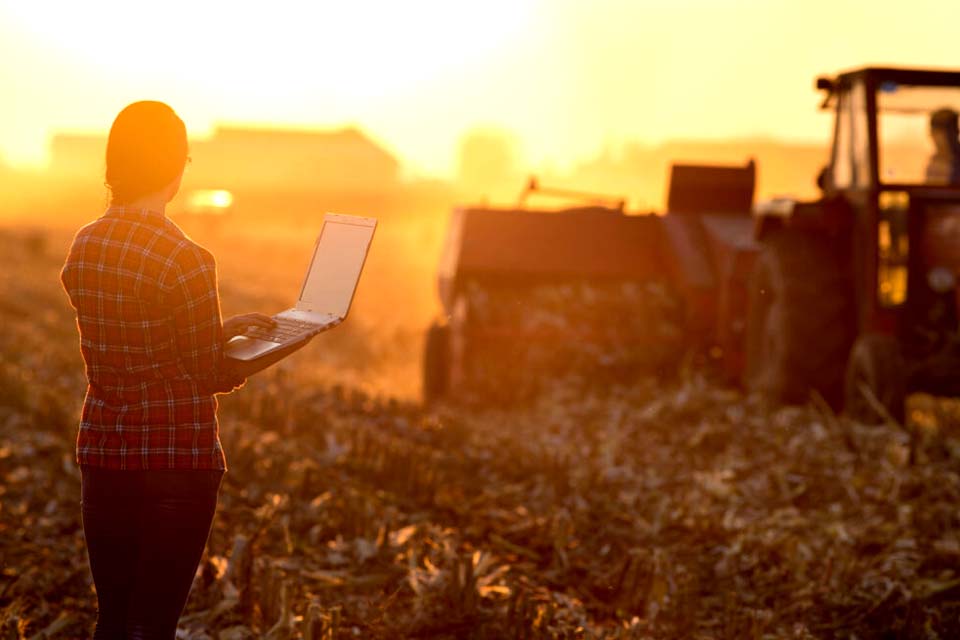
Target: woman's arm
(202, 334)
(197, 321)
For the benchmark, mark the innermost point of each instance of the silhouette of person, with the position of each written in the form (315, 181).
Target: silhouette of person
(944, 165)
(152, 340)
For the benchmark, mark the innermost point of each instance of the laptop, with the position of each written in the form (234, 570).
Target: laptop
(327, 292)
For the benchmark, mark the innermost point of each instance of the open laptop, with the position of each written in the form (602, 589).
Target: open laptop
(327, 292)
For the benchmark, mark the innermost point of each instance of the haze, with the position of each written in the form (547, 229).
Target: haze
(566, 79)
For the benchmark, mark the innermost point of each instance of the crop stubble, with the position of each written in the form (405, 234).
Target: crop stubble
(621, 511)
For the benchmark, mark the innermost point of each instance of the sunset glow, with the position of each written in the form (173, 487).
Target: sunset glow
(657, 336)
(206, 200)
(565, 78)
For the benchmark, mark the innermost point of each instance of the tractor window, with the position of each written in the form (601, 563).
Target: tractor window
(842, 158)
(859, 136)
(909, 118)
(851, 161)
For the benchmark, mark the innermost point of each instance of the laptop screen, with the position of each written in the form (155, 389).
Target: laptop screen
(335, 268)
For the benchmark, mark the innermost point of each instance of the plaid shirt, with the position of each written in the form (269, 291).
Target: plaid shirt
(151, 336)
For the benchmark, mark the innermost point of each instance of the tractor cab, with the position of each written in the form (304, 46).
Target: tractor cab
(894, 129)
(882, 247)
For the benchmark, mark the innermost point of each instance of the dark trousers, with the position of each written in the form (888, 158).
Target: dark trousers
(145, 533)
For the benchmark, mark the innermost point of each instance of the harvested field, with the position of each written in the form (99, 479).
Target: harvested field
(596, 511)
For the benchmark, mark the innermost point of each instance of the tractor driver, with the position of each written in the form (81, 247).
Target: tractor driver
(944, 165)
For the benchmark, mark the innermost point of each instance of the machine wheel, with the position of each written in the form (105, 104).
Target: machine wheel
(877, 364)
(436, 363)
(799, 323)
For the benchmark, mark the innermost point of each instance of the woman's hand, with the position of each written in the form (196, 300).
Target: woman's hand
(238, 324)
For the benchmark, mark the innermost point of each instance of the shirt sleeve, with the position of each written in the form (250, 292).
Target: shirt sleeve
(68, 274)
(198, 323)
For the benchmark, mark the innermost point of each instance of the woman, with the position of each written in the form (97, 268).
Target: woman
(152, 341)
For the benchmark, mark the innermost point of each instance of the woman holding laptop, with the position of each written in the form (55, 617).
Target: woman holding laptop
(152, 340)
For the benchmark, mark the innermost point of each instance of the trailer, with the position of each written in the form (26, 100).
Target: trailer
(593, 290)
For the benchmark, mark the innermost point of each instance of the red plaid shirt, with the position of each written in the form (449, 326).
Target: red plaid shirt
(151, 336)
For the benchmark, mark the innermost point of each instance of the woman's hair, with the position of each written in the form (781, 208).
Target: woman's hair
(146, 150)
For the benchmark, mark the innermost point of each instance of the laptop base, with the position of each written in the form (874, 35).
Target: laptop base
(246, 349)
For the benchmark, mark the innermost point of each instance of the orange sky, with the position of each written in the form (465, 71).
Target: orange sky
(566, 77)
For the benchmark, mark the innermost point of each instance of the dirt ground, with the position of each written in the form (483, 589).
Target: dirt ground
(645, 509)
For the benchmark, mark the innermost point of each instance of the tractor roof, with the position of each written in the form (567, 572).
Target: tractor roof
(885, 78)
(900, 75)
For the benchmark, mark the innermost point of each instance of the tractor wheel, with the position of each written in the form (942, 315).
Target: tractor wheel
(876, 367)
(800, 320)
(436, 363)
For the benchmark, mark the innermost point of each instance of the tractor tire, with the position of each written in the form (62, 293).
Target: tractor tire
(436, 363)
(876, 364)
(800, 321)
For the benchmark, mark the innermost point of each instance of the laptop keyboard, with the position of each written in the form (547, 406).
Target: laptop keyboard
(286, 330)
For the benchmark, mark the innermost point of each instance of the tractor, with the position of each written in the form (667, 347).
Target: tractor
(852, 296)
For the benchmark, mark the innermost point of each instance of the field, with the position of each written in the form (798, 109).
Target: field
(642, 508)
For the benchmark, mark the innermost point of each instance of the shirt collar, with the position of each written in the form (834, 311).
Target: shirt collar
(133, 212)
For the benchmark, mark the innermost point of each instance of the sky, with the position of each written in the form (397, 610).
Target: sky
(565, 78)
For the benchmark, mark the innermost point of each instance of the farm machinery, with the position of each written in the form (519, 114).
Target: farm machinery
(852, 296)
(592, 290)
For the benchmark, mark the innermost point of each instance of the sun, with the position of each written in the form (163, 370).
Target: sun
(362, 48)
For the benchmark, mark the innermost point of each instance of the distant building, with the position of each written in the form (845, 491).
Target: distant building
(343, 160)
(80, 156)
(242, 159)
